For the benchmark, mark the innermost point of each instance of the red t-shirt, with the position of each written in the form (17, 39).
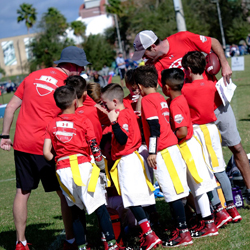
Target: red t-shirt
(70, 134)
(91, 113)
(180, 116)
(37, 109)
(128, 103)
(179, 45)
(155, 106)
(128, 123)
(200, 96)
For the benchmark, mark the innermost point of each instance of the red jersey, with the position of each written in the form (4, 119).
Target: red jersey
(180, 116)
(155, 106)
(200, 96)
(69, 134)
(91, 113)
(128, 123)
(179, 45)
(128, 103)
(37, 109)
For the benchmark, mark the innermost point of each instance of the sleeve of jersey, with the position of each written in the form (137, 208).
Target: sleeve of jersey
(199, 42)
(19, 91)
(87, 124)
(178, 117)
(149, 109)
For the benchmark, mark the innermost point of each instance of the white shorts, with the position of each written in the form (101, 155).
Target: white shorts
(208, 182)
(216, 145)
(163, 176)
(133, 185)
(83, 199)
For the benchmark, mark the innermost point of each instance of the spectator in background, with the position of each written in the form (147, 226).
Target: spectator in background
(99, 79)
(105, 72)
(242, 48)
(234, 50)
(121, 66)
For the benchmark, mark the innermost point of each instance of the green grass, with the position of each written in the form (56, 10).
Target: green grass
(45, 224)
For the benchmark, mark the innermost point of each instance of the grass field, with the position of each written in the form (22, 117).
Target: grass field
(44, 225)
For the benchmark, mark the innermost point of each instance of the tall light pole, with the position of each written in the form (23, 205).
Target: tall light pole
(118, 33)
(180, 20)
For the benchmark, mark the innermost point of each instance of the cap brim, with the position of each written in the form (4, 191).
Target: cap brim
(138, 55)
(81, 64)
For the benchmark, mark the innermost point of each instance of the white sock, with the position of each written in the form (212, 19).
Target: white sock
(23, 242)
(204, 205)
(71, 241)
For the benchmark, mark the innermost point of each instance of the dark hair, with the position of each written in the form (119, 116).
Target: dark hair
(64, 96)
(173, 77)
(77, 82)
(147, 76)
(94, 91)
(113, 91)
(195, 60)
(129, 77)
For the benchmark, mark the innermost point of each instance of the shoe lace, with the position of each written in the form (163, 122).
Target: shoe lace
(142, 239)
(175, 234)
(200, 226)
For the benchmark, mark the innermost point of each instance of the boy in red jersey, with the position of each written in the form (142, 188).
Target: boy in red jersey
(200, 179)
(71, 137)
(128, 172)
(164, 154)
(200, 94)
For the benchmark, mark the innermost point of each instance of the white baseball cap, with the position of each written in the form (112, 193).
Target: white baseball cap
(143, 40)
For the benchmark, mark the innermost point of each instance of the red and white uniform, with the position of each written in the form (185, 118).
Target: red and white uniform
(69, 134)
(92, 114)
(40, 85)
(154, 106)
(200, 96)
(191, 149)
(132, 180)
(169, 156)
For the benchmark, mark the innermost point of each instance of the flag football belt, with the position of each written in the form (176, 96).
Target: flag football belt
(172, 171)
(77, 176)
(189, 160)
(115, 177)
(208, 142)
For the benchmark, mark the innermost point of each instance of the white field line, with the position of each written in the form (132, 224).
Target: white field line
(12, 179)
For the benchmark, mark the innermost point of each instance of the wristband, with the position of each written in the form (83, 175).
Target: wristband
(5, 136)
(152, 145)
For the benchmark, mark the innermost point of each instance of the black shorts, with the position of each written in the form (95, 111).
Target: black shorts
(122, 73)
(31, 168)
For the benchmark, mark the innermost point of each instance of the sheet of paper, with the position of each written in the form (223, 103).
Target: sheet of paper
(226, 92)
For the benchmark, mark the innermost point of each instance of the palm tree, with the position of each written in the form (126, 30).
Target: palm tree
(78, 27)
(27, 13)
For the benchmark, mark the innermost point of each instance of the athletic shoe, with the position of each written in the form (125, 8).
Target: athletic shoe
(149, 240)
(20, 246)
(180, 237)
(117, 247)
(105, 243)
(207, 228)
(233, 212)
(68, 246)
(222, 218)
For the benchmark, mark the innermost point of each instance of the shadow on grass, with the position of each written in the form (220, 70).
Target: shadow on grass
(37, 234)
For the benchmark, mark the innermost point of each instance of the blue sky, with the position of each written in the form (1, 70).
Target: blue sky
(8, 14)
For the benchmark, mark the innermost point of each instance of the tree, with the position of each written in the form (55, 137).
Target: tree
(27, 13)
(48, 44)
(98, 51)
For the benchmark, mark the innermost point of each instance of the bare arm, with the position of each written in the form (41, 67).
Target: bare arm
(10, 110)
(181, 132)
(225, 68)
(47, 146)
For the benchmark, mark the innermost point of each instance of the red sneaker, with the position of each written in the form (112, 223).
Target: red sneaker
(221, 217)
(118, 247)
(20, 246)
(105, 243)
(149, 240)
(68, 246)
(207, 228)
(179, 238)
(233, 212)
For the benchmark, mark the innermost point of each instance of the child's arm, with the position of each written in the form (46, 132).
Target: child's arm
(154, 127)
(119, 134)
(47, 146)
(181, 132)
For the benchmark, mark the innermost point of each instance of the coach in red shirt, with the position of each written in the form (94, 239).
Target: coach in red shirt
(35, 98)
(168, 54)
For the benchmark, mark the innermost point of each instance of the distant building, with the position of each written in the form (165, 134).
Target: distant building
(14, 54)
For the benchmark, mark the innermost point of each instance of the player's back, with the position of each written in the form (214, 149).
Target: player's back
(154, 106)
(200, 96)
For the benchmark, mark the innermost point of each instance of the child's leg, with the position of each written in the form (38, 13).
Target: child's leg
(178, 210)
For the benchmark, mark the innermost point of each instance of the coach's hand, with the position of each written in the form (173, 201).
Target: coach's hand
(152, 161)
(6, 144)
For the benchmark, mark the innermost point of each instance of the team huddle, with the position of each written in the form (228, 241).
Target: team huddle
(110, 149)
